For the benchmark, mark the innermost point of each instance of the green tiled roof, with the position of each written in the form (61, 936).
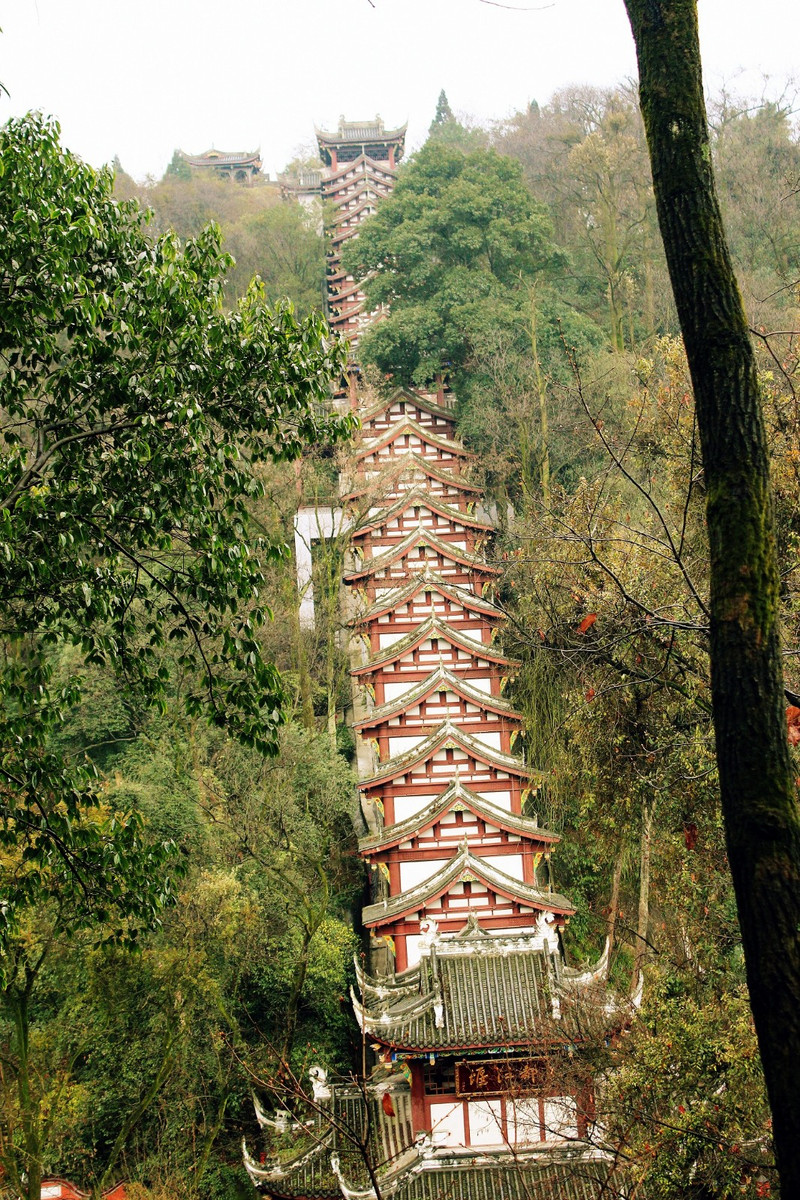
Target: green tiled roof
(411, 1166)
(349, 1118)
(223, 158)
(360, 131)
(544, 1175)
(489, 992)
(307, 1173)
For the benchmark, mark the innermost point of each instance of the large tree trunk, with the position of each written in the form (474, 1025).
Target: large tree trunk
(759, 807)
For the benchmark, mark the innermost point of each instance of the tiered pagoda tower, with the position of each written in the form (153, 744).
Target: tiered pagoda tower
(464, 925)
(473, 1023)
(359, 162)
(472, 1018)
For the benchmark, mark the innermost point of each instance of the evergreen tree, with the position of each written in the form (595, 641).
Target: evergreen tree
(178, 168)
(444, 112)
(446, 128)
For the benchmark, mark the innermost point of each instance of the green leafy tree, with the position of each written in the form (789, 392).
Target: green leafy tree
(283, 246)
(584, 155)
(185, 205)
(448, 254)
(134, 414)
(279, 242)
(757, 163)
(134, 1063)
(687, 1100)
(463, 257)
(517, 409)
(446, 129)
(609, 609)
(178, 167)
(71, 911)
(294, 822)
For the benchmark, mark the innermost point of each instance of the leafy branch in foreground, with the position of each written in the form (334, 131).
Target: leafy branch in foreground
(134, 413)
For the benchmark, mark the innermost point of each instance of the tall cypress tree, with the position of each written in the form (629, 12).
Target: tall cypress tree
(444, 112)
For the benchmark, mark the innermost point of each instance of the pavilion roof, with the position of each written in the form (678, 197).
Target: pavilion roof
(408, 461)
(423, 581)
(360, 167)
(456, 796)
(224, 158)
(407, 425)
(579, 1172)
(448, 735)
(360, 131)
(412, 1165)
(417, 496)
(439, 680)
(305, 1171)
(464, 866)
(412, 397)
(421, 536)
(307, 180)
(433, 627)
(475, 990)
(352, 213)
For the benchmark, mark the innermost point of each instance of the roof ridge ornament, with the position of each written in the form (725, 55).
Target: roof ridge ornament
(319, 1084)
(348, 1192)
(429, 934)
(578, 977)
(282, 1122)
(547, 930)
(438, 999)
(472, 929)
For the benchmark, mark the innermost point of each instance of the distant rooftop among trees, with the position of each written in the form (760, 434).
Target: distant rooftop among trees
(240, 165)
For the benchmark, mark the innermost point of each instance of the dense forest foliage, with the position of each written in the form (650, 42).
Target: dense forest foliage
(527, 257)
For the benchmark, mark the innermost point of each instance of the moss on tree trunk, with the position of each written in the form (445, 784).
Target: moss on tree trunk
(759, 806)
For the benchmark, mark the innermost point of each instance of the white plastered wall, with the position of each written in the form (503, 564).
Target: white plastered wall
(312, 525)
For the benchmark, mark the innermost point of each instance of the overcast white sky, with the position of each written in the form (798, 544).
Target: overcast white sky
(139, 78)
